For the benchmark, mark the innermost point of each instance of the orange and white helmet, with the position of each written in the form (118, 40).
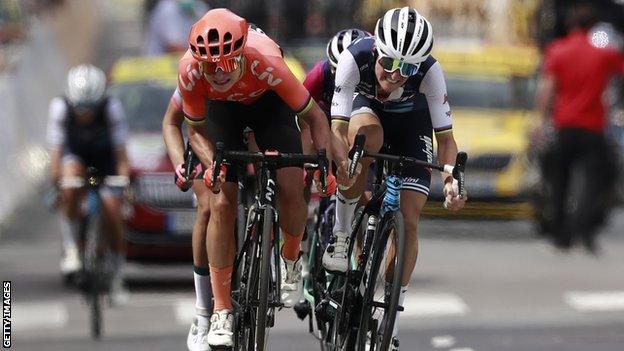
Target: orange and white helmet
(218, 39)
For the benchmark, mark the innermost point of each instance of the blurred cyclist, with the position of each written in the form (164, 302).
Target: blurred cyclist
(389, 73)
(576, 72)
(174, 141)
(230, 78)
(87, 128)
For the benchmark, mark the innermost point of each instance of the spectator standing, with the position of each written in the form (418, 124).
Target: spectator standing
(169, 24)
(576, 73)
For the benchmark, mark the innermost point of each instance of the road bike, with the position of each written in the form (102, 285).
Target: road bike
(366, 309)
(96, 257)
(256, 276)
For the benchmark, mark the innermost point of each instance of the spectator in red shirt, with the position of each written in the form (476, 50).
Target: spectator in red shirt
(577, 69)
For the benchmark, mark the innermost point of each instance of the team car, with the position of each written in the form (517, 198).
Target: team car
(491, 92)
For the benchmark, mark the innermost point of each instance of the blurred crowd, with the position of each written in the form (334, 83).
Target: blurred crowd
(14, 18)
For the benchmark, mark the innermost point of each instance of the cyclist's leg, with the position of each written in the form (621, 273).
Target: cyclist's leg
(71, 166)
(224, 123)
(410, 134)
(276, 129)
(363, 120)
(203, 289)
(221, 244)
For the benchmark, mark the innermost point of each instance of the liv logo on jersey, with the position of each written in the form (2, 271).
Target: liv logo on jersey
(192, 75)
(265, 75)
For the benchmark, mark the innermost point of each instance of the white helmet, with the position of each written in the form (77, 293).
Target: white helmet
(341, 41)
(404, 34)
(86, 85)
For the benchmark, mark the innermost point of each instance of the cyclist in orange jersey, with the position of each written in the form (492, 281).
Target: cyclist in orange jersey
(233, 77)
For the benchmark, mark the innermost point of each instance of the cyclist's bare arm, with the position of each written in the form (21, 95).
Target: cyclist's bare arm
(123, 165)
(172, 133)
(447, 151)
(56, 153)
(315, 118)
(201, 143)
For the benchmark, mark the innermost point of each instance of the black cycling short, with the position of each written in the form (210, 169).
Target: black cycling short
(103, 162)
(271, 119)
(406, 133)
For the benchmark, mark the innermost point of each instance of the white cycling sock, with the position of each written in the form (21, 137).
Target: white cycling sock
(203, 294)
(402, 294)
(345, 209)
(69, 232)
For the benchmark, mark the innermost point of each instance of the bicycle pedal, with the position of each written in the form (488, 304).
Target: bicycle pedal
(400, 308)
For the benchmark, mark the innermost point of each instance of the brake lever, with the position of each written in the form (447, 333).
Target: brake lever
(459, 172)
(356, 152)
(322, 165)
(188, 161)
(217, 161)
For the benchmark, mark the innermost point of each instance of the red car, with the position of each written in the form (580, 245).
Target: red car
(160, 217)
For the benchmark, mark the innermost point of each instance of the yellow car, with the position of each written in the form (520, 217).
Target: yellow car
(491, 91)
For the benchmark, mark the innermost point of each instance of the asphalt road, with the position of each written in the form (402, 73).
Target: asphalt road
(479, 285)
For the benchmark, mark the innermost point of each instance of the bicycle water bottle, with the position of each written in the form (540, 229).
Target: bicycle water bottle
(392, 198)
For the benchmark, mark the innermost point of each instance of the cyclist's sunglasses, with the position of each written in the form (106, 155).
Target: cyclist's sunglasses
(390, 65)
(227, 66)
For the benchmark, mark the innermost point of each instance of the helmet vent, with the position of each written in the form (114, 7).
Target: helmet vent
(423, 37)
(239, 43)
(213, 36)
(227, 37)
(202, 51)
(411, 27)
(200, 40)
(193, 48)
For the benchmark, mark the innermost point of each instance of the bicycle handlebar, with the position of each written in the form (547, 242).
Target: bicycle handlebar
(73, 182)
(271, 157)
(457, 171)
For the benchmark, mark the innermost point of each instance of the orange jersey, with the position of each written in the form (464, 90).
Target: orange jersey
(264, 69)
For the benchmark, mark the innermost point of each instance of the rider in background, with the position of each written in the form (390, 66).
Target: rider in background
(233, 77)
(87, 128)
(391, 72)
(576, 71)
(174, 141)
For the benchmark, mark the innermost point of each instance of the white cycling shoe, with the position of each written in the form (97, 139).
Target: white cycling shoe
(292, 287)
(220, 334)
(70, 262)
(197, 339)
(335, 258)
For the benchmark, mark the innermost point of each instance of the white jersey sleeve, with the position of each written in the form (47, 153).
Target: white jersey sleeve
(55, 134)
(117, 122)
(434, 89)
(347, 78)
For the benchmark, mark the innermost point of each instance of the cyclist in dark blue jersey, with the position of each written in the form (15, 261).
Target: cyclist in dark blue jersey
(391, 89)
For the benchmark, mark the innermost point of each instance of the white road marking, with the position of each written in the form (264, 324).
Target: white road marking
(39, 315)
(443, 341)
(184, 310)
(586, 301)
(433, 305)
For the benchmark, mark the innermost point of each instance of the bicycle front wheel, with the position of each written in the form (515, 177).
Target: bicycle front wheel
(94, 273)
(383, 285)
(265, 279)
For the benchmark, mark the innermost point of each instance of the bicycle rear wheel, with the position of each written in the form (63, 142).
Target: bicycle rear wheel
(380, 303)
